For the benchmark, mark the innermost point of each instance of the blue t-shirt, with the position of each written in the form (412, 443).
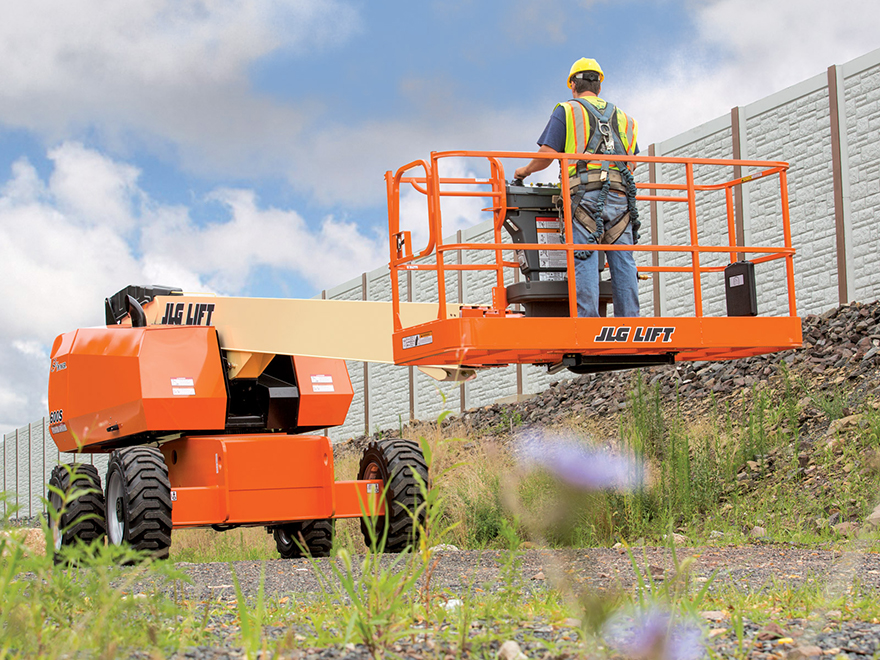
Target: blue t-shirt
(554, 133)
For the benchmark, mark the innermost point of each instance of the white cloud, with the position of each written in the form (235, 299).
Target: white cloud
(31, 348)
(160, 70)
(456, 212)
(92, 189)
(174, 75)
(744, 50)
(226, 253)
(88, 230)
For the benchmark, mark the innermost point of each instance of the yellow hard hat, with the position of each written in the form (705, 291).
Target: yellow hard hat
(585, 64)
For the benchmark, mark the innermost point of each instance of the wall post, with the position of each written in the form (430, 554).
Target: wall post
(366, 368)
(840, 175)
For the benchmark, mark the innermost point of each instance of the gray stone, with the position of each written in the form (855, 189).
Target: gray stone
(845, 528)
(510, 650)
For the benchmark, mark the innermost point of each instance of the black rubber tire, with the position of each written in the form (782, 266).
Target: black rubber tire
(395, 461)
(317, 535)
(83, 518)
(142, 500)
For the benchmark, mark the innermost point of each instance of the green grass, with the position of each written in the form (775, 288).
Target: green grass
(84, 604)
(204, 545)
(748, 460)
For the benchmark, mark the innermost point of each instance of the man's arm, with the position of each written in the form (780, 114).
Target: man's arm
(536, 164)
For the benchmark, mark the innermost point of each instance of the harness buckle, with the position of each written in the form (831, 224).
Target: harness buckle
(607, 139)
(603, 175)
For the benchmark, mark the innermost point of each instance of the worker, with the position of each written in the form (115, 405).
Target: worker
(602, 193)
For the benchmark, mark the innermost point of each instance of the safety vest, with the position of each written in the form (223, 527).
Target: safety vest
(577, 129)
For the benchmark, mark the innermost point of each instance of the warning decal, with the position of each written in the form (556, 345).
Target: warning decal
(550, 233)
(322, 388)
(418, 340)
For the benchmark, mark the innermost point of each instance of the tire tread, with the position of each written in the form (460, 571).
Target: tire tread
(399, 459)
(146, 498)
(87, 530)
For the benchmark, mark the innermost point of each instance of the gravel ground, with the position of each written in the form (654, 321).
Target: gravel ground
(749, 567)
(587, 570)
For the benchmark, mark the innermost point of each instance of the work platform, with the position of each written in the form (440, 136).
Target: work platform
(519, 340)
(491, 333)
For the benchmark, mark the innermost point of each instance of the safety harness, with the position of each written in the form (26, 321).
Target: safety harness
(603, 140)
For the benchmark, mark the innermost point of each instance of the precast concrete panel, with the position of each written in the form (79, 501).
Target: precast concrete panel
(536, 379)
(434, 398)
(29, 455)
(354, 421)
(388, 383)
(646, 290)
(797, 131)
(712, 229)
(862, 102)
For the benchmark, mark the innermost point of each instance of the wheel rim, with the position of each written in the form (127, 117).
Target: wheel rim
(55, 501)
(115, 509)
(285, 538)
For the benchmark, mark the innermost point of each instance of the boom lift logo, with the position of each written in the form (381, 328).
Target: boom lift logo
(642, 334)
(196, 313)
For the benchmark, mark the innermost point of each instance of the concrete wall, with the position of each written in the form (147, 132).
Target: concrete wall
(28, 456)
(827, 128)
(861, 100)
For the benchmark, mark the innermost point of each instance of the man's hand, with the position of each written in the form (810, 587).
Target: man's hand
(536, 165)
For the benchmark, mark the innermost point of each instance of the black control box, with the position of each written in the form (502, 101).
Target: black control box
(739, 288)
(532, 218)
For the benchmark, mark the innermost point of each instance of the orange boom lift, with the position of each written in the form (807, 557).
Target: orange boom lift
(209, 406)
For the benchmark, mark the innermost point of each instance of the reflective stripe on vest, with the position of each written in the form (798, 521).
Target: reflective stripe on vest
(577, 130)
(630, 142)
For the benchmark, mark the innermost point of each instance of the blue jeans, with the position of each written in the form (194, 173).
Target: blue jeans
(624, 276)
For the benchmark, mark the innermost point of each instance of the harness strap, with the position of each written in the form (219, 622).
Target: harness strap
(603, 132)
(606, 139)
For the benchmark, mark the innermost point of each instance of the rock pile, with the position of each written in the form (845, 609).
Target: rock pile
(840, 345)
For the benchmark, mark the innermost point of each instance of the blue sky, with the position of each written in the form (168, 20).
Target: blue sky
(240, 147)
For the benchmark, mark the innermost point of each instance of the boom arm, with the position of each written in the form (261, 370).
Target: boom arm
(253, 330)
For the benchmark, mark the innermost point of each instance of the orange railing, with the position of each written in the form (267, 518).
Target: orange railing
(430, 184)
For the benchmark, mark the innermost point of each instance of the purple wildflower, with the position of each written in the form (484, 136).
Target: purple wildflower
(582, 466)
(654, 635)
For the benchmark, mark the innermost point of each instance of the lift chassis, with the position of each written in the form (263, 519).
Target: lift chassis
(204, 431)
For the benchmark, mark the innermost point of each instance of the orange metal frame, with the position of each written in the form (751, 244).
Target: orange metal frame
(261, 479)
(493, 335)
(108, 384)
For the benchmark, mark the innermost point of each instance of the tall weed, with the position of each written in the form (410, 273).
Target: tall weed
(84, 603)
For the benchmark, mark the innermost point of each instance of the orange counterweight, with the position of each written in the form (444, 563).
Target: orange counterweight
(109, 384)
